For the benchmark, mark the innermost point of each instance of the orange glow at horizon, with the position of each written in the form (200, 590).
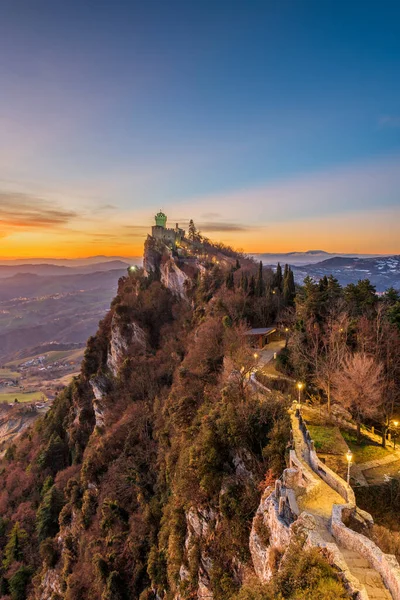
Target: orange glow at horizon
(350, 235)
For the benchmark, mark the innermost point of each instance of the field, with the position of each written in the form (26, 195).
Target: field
(9, 397)
(7, 373)
(51, 357)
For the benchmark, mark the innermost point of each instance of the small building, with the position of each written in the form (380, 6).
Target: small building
(159, 231)
(261, 336)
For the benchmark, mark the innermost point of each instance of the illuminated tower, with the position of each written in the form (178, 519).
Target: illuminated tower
(161, 219)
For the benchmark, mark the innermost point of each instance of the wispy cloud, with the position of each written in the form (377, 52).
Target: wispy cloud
(25, 211)
(220, 226)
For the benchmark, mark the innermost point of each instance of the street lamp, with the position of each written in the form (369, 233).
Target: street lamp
(255, 355)
(300, 387)
(349, 456)
(396, 424)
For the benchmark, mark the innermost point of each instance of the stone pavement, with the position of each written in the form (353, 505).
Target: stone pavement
(319, 504)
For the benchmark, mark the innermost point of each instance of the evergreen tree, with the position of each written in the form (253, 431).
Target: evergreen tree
(252, 286)
(237, 267)
(192, 232)
(19, 582)
(260, 281)
(391, 296)
(47, 514)
(14, 547)
(244, 282)
(289, 288)
(278, 278)
(229, 281)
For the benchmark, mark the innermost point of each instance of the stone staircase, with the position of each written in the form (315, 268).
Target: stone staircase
(368, 577)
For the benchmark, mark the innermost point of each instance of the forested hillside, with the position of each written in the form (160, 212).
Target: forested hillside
(144, 477)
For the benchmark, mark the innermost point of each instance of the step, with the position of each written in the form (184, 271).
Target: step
(376, 594)
(368, 577)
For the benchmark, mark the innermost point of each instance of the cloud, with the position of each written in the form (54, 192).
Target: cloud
(107, 207)
(389, 121)
(220, 226)
(210, 215)
(19, 210)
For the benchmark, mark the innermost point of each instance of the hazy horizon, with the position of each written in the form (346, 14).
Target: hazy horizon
(274, 126)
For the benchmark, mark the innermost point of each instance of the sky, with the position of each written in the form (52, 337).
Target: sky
(275, 125)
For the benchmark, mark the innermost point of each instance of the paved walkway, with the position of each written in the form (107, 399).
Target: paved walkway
(319, 504)
(267, 353)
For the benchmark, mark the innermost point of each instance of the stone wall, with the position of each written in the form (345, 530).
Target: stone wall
(330, 477)
(385, 564)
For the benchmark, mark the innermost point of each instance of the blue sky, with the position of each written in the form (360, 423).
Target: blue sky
(276, 125)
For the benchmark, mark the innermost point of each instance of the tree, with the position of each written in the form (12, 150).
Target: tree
(278, 278)
(260, 281)
(13, 551)
(192, 232)
(229, 281)
(252, 286)
(19, 581)
(358, 387)
(289, 288)
(47, 514)
(360, 297)
(330, 354)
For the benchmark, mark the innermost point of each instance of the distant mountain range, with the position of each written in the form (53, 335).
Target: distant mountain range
(382, 271)
(71, 262)
(43, 303)
(304, 258)
(48, 269)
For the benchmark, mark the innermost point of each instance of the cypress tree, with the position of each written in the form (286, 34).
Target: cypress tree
(260, 281)
(252, 286)
(229, 281)
(278, 279)
(289, 288)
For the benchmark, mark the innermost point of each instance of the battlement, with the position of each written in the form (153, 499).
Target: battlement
(168, 236)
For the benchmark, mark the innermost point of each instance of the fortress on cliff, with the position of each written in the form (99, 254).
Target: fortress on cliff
(159, 231)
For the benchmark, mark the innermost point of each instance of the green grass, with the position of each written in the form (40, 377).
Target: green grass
(327, 439)
(365, 451)
(9, 374)
(9, 397)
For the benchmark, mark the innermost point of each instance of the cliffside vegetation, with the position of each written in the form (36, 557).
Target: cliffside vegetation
(150, 487)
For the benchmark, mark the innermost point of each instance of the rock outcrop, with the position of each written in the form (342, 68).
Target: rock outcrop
(100, 386)
(123, 337)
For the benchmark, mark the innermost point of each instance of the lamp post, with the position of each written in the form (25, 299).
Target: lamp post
(396, 424)
(300, 387)
(349, 456)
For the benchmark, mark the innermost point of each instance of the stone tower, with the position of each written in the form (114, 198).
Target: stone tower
(161, 219)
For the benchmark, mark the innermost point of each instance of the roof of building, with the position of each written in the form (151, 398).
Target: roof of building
(261, 331)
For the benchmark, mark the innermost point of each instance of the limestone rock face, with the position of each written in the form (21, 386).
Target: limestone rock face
(123, 337)
(173, 277)
(159, 261)
(279, 536)
(100, 387)
(200, 523)
(153, 251)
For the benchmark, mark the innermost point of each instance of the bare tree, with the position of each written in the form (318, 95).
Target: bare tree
(240, 358)
(331, 354)
(358, 387)
(319, 350)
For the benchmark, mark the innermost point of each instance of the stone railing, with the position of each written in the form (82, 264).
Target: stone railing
(287, 504)
(330, 477)
(385, 564)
